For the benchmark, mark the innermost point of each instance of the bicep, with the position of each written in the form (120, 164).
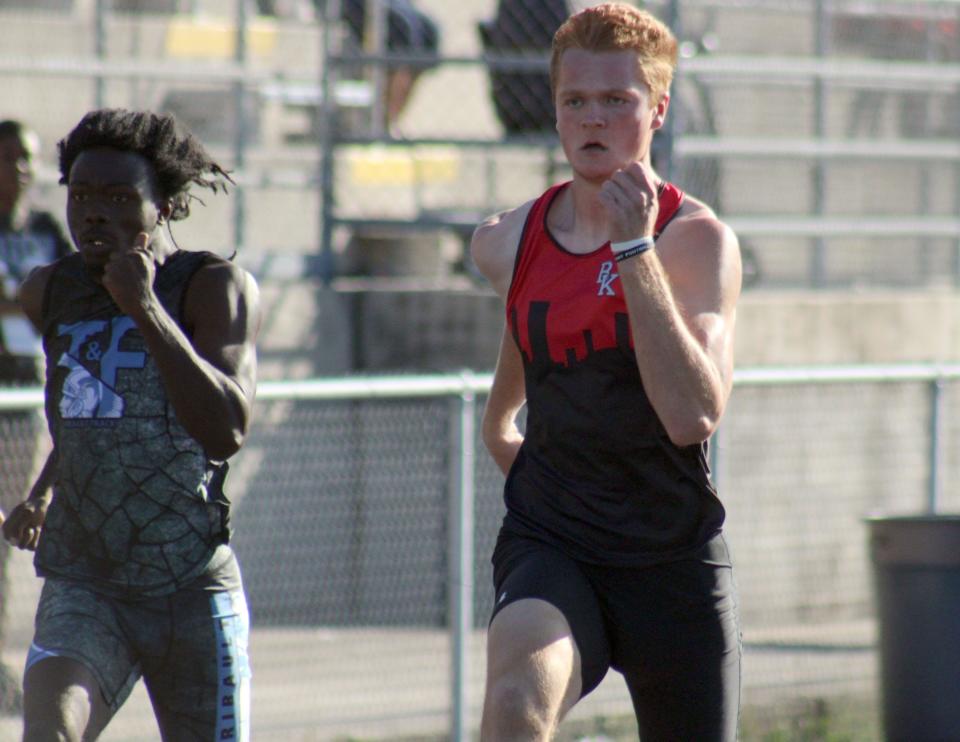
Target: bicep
(705, 282)
(223, 310)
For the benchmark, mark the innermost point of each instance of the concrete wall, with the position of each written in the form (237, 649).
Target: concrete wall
(312, 331)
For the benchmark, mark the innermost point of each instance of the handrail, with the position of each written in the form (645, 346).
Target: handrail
(937, 150)
(799, 225)
(399, 386)
(759, 67)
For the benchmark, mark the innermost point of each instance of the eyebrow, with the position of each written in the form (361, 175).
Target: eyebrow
(88, 184)
(605, 91)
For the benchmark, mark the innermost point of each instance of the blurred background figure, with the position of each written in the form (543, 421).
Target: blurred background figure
(408, 31)
(28, 237)
(522, 98)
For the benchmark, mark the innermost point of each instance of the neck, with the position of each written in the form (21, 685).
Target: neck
(585, 216)
(161, 247)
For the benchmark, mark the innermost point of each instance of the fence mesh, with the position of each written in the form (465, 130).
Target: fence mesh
(343, 533)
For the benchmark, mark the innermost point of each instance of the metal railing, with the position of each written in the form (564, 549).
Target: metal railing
(463, 390)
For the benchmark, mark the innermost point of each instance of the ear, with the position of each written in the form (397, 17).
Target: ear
(660, 112)
(164, 210)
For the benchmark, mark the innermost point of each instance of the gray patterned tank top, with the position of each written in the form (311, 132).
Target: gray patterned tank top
(138, 508)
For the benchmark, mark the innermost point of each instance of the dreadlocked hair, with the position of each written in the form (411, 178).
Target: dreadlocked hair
(177, 156)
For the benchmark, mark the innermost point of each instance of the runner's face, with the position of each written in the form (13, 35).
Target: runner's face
(604, 114)
(16, 170)
(112, 196)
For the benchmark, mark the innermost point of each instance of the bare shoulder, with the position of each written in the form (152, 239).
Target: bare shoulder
(495, 243)
(31, 291)
(699, 248)
(697, 232)
(221, 290)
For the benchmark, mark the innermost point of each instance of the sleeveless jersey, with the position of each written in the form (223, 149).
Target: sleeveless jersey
(597, 475)
(138, 508)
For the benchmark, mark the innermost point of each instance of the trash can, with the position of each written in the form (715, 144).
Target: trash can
(916, 563)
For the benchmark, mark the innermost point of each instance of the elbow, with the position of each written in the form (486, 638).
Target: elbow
(489, 434)
(225, 445)
(225, 440)
(692, 430)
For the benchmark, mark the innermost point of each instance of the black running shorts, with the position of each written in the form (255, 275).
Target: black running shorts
(671, 629)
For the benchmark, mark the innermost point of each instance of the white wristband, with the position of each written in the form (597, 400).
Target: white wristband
(644, 243)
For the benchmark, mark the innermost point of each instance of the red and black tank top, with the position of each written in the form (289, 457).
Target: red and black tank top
(597, 474)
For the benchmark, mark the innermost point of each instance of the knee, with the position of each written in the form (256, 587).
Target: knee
(514, 710)
(59, 719)
(60, 728)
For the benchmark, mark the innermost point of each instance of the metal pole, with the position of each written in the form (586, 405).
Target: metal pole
(669, 129)
(100, 41)
(935, 492)
(461, 556)
(328, 118)
(956, 187)
(818, 268)
(240, 132)
(375, 42)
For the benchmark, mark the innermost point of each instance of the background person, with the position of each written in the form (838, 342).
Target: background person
(620, 295)
(408, 31)
(151, 374)
(29, 237)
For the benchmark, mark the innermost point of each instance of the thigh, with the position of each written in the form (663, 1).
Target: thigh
(76, 623)
(676, 638)
(528, 570)
(198, 674)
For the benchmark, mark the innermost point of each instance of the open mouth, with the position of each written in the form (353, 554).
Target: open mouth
(96, 246)
(593, 147)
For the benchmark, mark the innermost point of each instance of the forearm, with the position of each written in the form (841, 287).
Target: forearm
(210, 405)
(681, 380)
(499, 429)
(42, 489)
(503, 441)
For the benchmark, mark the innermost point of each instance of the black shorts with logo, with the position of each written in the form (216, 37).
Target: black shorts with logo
(671, 629)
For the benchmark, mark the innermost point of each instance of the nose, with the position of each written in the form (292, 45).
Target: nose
(593, 116)
(93, 212)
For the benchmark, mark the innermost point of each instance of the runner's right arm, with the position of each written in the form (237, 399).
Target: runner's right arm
(494, 249)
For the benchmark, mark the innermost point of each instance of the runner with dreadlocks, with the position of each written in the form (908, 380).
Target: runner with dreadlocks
(151, 373)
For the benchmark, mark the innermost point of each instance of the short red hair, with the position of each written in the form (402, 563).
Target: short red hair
(620, 27)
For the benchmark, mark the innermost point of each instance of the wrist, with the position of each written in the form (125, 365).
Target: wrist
(631, 248)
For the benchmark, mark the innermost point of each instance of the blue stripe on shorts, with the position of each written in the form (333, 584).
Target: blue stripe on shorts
(232, 630)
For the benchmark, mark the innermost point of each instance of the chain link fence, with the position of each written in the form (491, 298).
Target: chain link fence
(344, 496)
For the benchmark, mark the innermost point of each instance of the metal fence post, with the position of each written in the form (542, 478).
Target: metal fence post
(240, 133)
(818, 267)
(101, 10)
(461, 554)
(330, 72)
(935, 489)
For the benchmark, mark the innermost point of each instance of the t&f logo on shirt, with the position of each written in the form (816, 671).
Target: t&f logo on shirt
(89, 389)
